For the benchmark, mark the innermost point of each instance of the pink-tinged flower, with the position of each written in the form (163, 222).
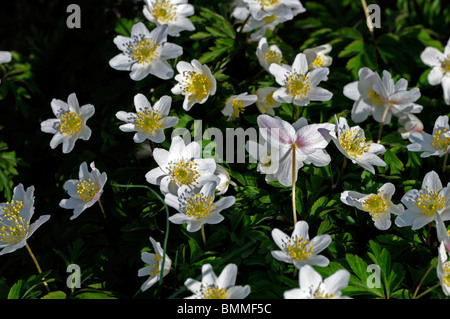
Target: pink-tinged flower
(84, 191)
(300, 139)
(298, 85)
(440, 68)
(15, 218)
(443, 269)
(410, 124)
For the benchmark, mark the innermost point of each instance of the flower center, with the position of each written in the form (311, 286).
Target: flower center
(199, 206)
(430, 202)
(144, 51)
(318, 62)
(196, 85)
(149, 121)
(375, 98)
(184, 172)
(13, 228)
(446, 276)
(238, 108)
(440, 142)
(164, 11)
(353, 143)
(376, 205)
(322, 294)
(213, 292)
(154, 268)
(268, 3)
(297, 85)
(272, 56)
(445, 65)
(270, 100)
(87, 189)
(70, 123)
(298, 248)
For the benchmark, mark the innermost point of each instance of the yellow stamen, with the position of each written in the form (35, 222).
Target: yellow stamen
(13, 228)
(199, 206)
(318, 62)
(354, 143)
(149, 121)
(375, 98)
(430, 202)
(70, 123)
(446, 276)
(184, 172)
(321, 294)
(445, 65)
(272, 56)
(196, 85)
(214, 292)
(268, 3)
(298, 248)
(440, 142)
(376, 205)
(238, 108)
(154, 271)
(164, 11)
(87, 189)
(297, 85)
(144, 51)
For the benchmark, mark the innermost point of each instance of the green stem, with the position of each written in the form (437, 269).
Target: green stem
(101, 208)
(37, 265)
(444, 165)
(294, 206)
(424, 277)
(203, 235)
(380, 131)
(428, 290)
(341, 173)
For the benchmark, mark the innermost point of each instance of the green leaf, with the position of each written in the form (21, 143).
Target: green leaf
(55, 295)
(356, 46)
(14, 292)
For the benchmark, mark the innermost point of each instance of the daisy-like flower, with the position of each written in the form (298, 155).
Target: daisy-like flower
(195, 82)
(379, 206)
(440, 68)
(235, 105)
(410, 123)
(312, 286)
(5, 57)
(298, 249)
(351, 142)
(268, 54)
(69, 124)
(174, 13)
(182, 165)
(300, 142)
(84, 191)
(436, 144)
(145, 53)
(317, 57)
(298, 85)
(198, 208)
(423, 205)
(443, 269)
(286, 9)
(373, 96)
(15, 218)
(154, 266)
(213, 287)
(265, 102)
(149, 122)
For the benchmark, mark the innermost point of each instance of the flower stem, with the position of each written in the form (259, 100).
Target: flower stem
(294, 206)
(428, 290)
(203, 234)
(101, 208)
(380, 131)
(37, 265)
(242, 26)
(341, 173)
(444, 165)
(423, 279)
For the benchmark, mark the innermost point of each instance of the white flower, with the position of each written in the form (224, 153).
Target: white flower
(84, 191)
(423, 205)
(351, 142)
(312, 286)
(5, 57)
(213, 287)
(181, 165)
(267, 158)
(303, 138)
(268, 54)
(298, 85)
(410, 123)
(436, 144)
(265, 102)
(145, 53)
(69, 124)
(440, 64)
(379, 206)
(149, 122)
(195, 82)
(443, 235)
(372, 95)
(174, 13)
(154, 262)
(317, 57)
(197, 208)
(298, 249)
(224, 180)
(286, 9)
(15, 218)
(235, 105)
(443, 269)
